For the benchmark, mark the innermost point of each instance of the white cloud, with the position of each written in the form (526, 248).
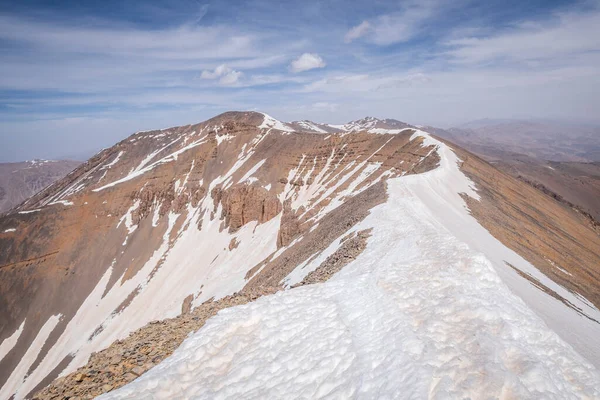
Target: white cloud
(559, 39)
(224, 74)
(230, 78)
(358, 31)
(306, 62)
(399, 26)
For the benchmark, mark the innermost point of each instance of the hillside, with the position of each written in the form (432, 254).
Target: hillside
(573, 181)
(348, 260)
(19, 181)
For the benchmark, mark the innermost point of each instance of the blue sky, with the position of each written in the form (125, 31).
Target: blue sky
(79, 75)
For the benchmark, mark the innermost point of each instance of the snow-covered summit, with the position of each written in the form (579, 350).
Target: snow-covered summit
(272, 123)
(367, 124)
(374, 125)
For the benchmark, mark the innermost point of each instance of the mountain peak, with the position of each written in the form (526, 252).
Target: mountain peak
(369, 124)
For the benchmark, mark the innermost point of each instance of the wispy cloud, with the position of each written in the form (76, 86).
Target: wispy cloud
(184, 42)
(565, 35)
(358, 31)
(397, 26)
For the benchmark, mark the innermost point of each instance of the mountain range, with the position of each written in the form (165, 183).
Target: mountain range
(248, 257)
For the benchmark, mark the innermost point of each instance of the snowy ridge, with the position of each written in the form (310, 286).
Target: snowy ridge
(383, 131)
(367, 124)
(310, 126)
(270, 123)
(430, 310)
(360, 125)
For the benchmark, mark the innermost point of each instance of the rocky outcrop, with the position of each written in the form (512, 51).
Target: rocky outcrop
(244, 203)
(352, 246)
(290, 225)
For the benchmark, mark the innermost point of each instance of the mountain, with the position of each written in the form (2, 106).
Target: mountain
(367, 124)
(18, 181)
(575, 183)
(362, 262)
(547, 140)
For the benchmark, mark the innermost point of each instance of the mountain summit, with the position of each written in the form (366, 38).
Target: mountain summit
(368, 124)
(355, 260)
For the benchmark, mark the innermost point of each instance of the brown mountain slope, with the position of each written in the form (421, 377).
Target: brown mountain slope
(576, 183)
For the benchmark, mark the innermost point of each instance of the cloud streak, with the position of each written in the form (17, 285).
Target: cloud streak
(398, 26)
(358, 31)
(563, 36)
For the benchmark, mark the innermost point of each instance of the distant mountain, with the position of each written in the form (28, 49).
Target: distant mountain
(367, 124)
(546, 140)
(19, 181)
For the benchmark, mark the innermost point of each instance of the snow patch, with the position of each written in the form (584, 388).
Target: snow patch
(564, 271)
(152, 155)
(30, 211)
(311, 126)
(113, 162)
(223, 138)
(312, 263)
(383, 131)
(252, 171)
(63, 202)
(18, 381)
(271, 123)
(10, 342)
